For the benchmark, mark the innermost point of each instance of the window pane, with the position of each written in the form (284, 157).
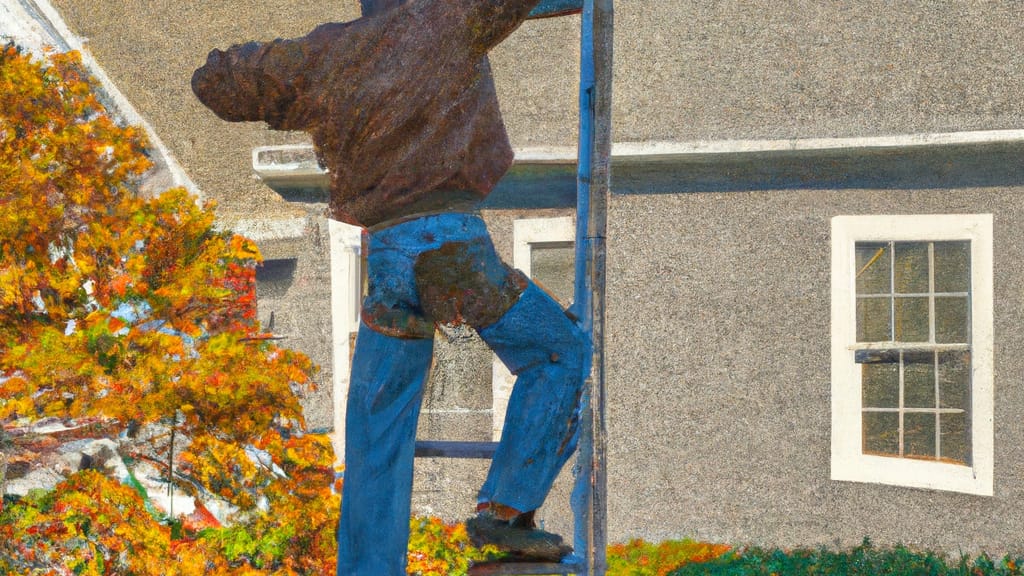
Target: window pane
(873, 261)
(919, 435)
(873, 320)
(955, 380)
(911, 320)
(919, 380)
(911, 272)
(881, 433)
(955, 438)
(951, 319)
(551, 265)
(880, 385)
(952, 266)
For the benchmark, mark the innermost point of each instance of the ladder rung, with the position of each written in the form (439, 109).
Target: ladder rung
(452, 449)
(515, 568)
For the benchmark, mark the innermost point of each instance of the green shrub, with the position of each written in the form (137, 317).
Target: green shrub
(864, 560)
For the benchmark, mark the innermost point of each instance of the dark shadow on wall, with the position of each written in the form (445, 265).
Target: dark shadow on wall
(921, 167)
(542, 186)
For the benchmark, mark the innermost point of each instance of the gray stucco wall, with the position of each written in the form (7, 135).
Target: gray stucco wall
(719, 371)
(798, 68)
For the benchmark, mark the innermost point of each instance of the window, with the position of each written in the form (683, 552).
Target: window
(543, 250)
(912, 351)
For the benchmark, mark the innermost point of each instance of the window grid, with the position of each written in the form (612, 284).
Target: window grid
(893, 345)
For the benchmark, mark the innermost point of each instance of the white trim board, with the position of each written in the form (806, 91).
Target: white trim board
(647, 150)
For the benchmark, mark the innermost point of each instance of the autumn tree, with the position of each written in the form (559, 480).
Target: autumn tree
(140, 312)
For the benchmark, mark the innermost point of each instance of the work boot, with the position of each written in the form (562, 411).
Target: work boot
(518, 538)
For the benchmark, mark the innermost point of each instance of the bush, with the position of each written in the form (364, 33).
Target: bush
(864, 560)
(639, 558)
(437, 548)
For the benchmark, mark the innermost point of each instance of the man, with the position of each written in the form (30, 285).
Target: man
(403, 114)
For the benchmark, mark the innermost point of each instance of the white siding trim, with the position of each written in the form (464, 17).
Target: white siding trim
(653, 149)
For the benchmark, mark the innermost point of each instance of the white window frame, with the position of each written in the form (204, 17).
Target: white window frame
(527, 233)
(849, 463)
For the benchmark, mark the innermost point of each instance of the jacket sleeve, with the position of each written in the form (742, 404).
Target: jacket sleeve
(258, 81)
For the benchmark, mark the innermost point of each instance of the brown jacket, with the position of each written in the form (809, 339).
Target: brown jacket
(401, 106)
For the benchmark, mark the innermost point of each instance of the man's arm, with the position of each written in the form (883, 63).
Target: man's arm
(260, 81)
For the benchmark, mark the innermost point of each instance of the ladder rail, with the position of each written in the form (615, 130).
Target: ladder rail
(594, 180)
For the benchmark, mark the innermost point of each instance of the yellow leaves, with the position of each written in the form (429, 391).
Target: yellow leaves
(88, 526)
(148, 316)
(244, 249)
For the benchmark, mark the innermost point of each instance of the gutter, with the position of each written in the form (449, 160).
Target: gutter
(298, 161)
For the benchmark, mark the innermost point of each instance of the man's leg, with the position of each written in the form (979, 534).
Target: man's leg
(467, 282)
(546, 351)
(394, 350)
(384, 397)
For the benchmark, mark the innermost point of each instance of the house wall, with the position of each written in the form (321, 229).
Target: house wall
(719, 364)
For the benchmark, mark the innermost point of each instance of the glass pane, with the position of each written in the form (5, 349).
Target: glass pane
(881, 433)
(956, 443)
(873, 261)
(951, 319)
(919, 380)
(919, 435)
(952, 266)
(551, 266)
(911, 323)
(880, 385)
(955, 380)
(873, 320)
(911, 270)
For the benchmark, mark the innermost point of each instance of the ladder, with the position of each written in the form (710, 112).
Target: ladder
(589, 501)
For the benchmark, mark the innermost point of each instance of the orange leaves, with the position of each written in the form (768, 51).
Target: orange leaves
(108, 292)
(119, 285)
(640, 558)
(89, 525)
(139, 310)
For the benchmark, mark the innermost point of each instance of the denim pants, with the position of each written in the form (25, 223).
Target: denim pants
(393, 355)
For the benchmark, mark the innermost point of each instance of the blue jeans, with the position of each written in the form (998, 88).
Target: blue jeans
(533, 337)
